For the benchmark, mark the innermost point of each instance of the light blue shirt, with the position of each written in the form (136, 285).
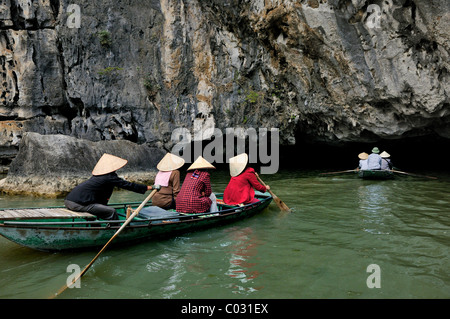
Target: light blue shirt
(374, 161)
(363, 164)
(385, 163)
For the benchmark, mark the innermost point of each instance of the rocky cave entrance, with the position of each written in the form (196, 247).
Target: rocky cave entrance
(412, 153)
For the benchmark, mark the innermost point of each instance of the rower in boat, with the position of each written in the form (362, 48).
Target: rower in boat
(385, 161)
(92, 196)
(240, 189)
(374, 160)
(363, 161)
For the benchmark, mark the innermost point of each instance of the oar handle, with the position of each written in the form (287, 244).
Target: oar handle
(261, 181)
(278, 201)
(155, 189)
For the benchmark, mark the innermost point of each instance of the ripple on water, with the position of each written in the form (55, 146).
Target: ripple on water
(338, 226)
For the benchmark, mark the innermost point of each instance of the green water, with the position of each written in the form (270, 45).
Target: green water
(339, 226)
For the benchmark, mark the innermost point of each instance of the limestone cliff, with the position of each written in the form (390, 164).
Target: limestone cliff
(327, 70)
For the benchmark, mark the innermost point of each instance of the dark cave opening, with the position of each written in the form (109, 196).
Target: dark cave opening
(413, 153)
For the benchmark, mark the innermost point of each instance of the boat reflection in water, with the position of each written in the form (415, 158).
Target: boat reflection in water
(242, 251)
(373, 201)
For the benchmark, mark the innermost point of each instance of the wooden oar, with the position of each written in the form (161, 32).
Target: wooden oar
(347, 171)
(278, 201)
(155, 189)
(405, 173)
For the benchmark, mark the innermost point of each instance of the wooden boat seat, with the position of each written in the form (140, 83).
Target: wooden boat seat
(43, 213)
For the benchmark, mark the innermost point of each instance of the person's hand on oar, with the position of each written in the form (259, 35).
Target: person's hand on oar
(278, 201)
(266, 186)
(129, 219)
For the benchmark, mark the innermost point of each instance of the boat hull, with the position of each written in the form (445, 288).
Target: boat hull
(375, 174)
(71, 235)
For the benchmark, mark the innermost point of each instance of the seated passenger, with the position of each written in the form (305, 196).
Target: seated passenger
(240, 189)
(385, 161)
(195, 196)
(168, 178)
(92, 195)
(363, 161)
(374, 160)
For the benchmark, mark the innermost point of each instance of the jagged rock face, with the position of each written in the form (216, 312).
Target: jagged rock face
(52, 165)
(330, 70)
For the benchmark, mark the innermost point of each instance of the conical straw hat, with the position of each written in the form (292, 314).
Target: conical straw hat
(200, 163)
(385, 154)
(170, 162)
(107, 164)
(238, 163)
(363, 155)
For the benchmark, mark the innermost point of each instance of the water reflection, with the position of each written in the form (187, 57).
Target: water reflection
(373, 201)
(341, 225)
(242, 251)
(171, 267)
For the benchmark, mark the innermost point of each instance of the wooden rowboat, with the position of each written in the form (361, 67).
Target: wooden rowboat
(375, 174)
(56, 228)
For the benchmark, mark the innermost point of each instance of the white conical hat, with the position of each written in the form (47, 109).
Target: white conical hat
(107, 164)
(385, 154)
(200, 163)
(170, 162)
(363, 155)
(238, 163)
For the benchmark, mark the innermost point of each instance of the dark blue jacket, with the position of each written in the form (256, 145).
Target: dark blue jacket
(98, 189)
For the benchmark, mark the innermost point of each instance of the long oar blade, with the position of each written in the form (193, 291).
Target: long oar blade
(129, 219)
(405, 173)
(279, 202)
(339, 172)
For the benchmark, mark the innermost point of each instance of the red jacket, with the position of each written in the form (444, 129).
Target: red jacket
(193, 197)
(240, 188)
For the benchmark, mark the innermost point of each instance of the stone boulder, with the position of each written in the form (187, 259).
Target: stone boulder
(51, 165)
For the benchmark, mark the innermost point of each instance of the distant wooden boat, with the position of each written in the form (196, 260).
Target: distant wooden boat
(56, 228)
(376, 174)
